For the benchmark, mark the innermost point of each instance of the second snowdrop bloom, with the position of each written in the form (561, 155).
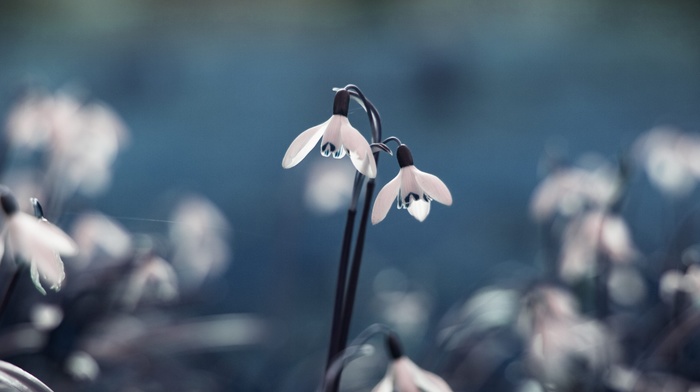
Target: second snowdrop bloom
(403, 375)
(412, 188)
(35, 241)
(338, 138)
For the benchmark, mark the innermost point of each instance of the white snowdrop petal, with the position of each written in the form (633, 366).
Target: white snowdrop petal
(385, 198)
(419, 209)
(45, 233)
(360, 151)
(332, 142)
(404, 373)
(302, 145)
(385, 385)
(433, 187)
(34, 274)
(437, 384)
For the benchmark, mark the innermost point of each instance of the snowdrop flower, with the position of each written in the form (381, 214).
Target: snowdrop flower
(570, 190)
(412, 188)
(674, 281)
(338, 138)
(153, 279)
(200, 233)
(405, 376)
(590, 235)
(36, 241)
(563, 346)
(101, 240)
(671, 159)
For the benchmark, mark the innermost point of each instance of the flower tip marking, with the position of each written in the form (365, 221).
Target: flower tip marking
(341, 102)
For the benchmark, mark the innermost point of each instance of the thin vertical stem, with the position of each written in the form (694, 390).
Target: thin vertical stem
(333, 348)
(355, 267)
(7, 295)
(353, 279)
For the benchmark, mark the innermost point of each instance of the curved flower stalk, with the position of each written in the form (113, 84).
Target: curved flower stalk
(403, 375)
(412, 188)
(338, 138)
(36, 241)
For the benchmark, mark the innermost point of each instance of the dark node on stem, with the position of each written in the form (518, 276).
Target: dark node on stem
(394, 347)
(8, 202)
(38, 210)
(403, 155)
(341, 103)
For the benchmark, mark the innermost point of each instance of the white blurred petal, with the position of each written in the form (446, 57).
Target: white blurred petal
(303, 144)
(34, 274)
(200, 234)
(46, 317)
(404, 375)
(42, 233)
(671, 281)
(385, 385)
(81, 366)
(154, 279)
(39, 243)
(568, 190)
(670, 158)
(97, 235)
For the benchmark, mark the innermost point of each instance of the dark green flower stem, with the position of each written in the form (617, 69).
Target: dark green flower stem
(356, 264)
(7, 295)
(333, 347)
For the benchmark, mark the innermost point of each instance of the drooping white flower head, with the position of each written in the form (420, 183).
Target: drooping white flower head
(403, 375)
(154, 279)
(563, 346)
(590, 235)
(412, 188)
(200, 235)
(567, 191)
(35, 241)
(338, 138)
(671, 159)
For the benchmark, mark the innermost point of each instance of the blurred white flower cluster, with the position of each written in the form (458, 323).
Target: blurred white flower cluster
(671, 159)
(80, 140)
(580, 200)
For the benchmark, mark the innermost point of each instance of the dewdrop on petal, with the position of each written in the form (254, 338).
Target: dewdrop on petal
(35, 241)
